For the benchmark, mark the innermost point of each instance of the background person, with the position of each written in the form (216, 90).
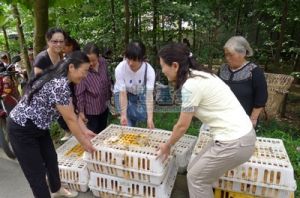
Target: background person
(55, 38)
(134, 86)
(93, 93)
(5, 60)
(208, 98)
(47, 96)
(70, 46)
(245, 78)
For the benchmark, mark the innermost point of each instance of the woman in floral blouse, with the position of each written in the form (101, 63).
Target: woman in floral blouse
(48, 96)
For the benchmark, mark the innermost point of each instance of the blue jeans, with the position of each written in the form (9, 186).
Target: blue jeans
(136, 107)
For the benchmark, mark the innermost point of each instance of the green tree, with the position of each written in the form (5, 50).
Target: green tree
(21, 38)
(40, 8)
(3, 23)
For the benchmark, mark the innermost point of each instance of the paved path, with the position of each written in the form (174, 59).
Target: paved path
(14, 185)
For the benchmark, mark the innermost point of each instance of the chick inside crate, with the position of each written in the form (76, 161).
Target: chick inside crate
(103, 185)
(136, 149)
(267, 173)
(73, 170)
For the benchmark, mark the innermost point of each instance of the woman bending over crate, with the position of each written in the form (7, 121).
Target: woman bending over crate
(133, 90)
(208, 98)
(47, 96)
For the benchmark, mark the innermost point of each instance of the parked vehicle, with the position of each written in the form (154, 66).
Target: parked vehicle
(8, 100)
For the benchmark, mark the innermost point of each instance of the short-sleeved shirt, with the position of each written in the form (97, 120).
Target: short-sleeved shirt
(133, 82)
(215, 105)
(93, 92)
(42, 108)
(42, 60)
(248, 84)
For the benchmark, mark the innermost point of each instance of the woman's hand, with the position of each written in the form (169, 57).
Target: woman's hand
(87, 146)
(254, 122)
(89, 134)
(163, 151)
(83, 118)
(150, 124)
(123, 120)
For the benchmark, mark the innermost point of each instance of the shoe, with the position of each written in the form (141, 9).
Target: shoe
(63, 192)
(67, 136)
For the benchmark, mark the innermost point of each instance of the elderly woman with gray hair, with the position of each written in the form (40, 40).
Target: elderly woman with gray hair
(245, 78)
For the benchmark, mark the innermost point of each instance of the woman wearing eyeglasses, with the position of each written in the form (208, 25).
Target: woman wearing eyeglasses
(55, 38)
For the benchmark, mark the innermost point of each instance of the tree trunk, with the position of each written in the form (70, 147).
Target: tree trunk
(132, 20)
(40, 24)
(297, 63)
(6, 46)
(238, 19)
(112, 3)
(140, 21)
(155, 22)
(216, 27)
(282, 31)
(163, 28)
(258, 29)
(127, 21)
(194, 35)
(21, 38)
(136, 24)
(180, 30)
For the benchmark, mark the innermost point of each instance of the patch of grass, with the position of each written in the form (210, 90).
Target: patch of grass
(56, 133)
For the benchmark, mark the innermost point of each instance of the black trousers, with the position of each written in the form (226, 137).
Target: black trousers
(97, 123)
(62, 123)
(37, 157)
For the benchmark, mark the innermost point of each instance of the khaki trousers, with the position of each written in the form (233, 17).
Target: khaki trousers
(214, 160)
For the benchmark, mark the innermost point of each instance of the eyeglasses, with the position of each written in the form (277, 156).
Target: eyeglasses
(56, 42)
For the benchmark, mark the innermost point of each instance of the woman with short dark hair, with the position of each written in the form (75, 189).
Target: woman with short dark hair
(55, 38)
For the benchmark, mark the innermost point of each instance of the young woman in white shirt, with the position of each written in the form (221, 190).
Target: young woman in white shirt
(134, 86)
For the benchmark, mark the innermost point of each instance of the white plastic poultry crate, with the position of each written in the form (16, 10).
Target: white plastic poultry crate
(127, 174)
(108, 186)
(81, 187)
(183, 151)
(136, 159)
(252, 188)
(72, 168)
(267, 173)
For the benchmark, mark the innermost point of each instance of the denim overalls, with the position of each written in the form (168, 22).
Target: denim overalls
(136, 107)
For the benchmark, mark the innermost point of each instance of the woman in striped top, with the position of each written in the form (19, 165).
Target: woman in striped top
(93, 93)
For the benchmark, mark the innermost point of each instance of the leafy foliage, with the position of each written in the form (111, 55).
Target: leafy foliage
(207, 25)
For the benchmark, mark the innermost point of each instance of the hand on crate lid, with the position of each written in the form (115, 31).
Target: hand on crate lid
(163, 151)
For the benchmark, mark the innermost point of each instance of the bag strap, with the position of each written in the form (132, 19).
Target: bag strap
(145, 76)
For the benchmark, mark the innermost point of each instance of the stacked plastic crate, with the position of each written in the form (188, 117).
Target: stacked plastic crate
(72, 169)
(268, 173)
(133, 170)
